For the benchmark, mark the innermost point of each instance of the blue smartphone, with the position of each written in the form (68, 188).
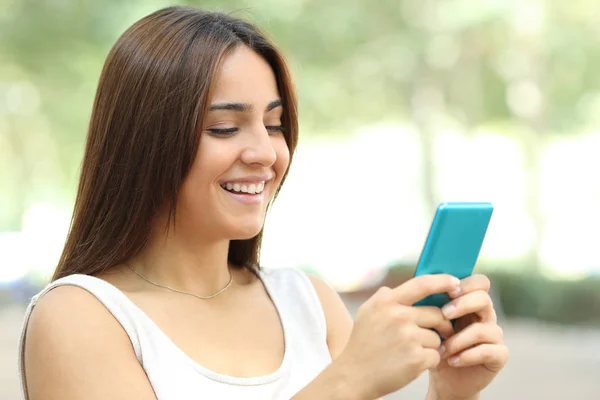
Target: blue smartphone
(453, 243)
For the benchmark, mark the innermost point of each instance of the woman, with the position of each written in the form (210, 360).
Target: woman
(158, 293)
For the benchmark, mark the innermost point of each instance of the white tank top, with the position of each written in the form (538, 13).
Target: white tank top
(175, 376)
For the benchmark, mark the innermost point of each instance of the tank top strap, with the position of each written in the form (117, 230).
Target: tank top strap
(115, 301)
(294, 293)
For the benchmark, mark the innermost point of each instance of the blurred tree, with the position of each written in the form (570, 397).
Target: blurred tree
(529, 66)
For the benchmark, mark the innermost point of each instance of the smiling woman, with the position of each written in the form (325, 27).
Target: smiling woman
(170, 75)
(159, 292)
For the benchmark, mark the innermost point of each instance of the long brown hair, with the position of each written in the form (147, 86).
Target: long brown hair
(143, 134)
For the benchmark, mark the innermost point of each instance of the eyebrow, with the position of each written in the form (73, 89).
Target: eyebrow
(243, 107)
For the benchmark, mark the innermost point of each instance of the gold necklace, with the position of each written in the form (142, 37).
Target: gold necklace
(181, 291)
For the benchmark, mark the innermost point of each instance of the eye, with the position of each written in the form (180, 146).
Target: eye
(276, 128)
(222, 132)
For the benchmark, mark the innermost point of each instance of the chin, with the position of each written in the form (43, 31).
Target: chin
(245, 231)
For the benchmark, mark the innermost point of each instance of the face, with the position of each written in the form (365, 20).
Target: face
(242, 154)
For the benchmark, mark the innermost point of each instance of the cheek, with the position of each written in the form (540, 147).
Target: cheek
(191, 192)
(214, 158)
(196, 188)
(283, 157)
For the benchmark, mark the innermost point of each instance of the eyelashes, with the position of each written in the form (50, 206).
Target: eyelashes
(276, 128)
(222, 132)
(230, 131)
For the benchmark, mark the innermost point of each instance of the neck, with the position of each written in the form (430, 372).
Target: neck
(191, 265)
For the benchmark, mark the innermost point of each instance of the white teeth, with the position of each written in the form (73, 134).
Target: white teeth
(253, 188)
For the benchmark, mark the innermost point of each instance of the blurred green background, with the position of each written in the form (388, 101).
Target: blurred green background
(403, 104)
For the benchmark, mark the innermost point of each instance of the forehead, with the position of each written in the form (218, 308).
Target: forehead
(245, 76)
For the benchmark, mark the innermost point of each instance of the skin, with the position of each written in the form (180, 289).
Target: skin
(473, 356)
(406, 347)
(92, 357)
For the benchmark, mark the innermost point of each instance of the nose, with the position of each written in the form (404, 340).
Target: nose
(259, 148)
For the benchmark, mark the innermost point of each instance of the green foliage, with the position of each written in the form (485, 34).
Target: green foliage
(566, 302)
(356, 62)
(533, 296)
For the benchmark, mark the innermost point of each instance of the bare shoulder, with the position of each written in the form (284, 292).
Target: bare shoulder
(324, 290)
(74, 348)
(339, 321)
(67, 308)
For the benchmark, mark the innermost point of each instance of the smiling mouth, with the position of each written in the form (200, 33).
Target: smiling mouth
(244, 188)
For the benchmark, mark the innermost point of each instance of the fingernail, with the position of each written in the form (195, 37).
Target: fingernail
(455, 281)
(448, 310)
(455, 293)
(442, 349)
(453, 360)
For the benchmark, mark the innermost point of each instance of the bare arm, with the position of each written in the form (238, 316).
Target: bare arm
(338, 319)
(75, 349)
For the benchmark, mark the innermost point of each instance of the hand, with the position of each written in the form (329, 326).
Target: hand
(391, 343)
(475, 354)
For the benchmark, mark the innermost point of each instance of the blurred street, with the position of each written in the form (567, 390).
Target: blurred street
(547, 362)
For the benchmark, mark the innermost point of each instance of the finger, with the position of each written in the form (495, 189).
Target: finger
(471, 336)
(492, 356)
(431, 357)
(422, 286)
(471, 284)
(432, 317)
(478, 302)
(429, 339)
